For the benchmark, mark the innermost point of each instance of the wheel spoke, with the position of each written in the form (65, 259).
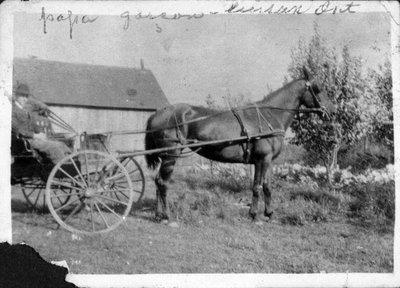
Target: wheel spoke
(29, 195)
(65, 195)
(111, 191)
(97, 173)
(91, 215)
(119, 190)
(79, 172)
(58, 196)
(124, 181)
(109, 209)
(67, 204)
(87, 169)
(72, 178)
(37, 198)
(76, 209)
(133, 171)
(111, 199)
(116, 176)
(66, 185)
(101, 214)
(116, 195)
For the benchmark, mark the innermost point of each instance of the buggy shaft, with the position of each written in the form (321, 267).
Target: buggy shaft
(274, 133)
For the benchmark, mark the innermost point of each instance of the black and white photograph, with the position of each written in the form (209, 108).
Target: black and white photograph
(212, 143)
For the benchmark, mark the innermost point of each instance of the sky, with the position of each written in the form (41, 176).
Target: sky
(216, 54)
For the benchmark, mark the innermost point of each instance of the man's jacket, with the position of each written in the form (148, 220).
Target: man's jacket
(22, 123)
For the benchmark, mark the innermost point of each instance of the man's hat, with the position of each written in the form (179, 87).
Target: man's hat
(22, 89)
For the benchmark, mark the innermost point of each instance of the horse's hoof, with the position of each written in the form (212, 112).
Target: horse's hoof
(268, 214)
(160, 218)
(252, 215)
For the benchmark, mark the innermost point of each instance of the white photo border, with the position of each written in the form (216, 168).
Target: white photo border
(7, 10)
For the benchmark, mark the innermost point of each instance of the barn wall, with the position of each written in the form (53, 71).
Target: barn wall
(98, 120)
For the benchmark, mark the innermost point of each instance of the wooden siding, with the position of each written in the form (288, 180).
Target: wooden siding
(98, 120)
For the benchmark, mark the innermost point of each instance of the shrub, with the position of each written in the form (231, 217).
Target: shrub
(377, 156)
(373, 204)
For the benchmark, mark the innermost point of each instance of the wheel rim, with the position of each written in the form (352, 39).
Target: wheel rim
(137, 177)
(96, 204)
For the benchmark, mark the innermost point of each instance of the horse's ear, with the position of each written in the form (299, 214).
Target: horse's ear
(307, 76)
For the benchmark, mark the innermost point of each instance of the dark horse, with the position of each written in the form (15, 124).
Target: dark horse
(175, 125)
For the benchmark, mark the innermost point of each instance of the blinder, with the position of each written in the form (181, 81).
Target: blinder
(317, 100)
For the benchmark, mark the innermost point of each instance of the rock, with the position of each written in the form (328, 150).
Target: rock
(173, 225)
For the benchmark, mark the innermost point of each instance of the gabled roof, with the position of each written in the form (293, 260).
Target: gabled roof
(90, 85)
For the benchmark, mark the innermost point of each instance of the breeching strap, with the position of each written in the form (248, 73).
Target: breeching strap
(245, 147)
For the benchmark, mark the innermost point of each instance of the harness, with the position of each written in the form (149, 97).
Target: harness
(236, 112)
(260, 116)
(245, 146)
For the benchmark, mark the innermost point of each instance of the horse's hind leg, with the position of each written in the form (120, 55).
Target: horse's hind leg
(267, 187)
(162, 181)
(257, 189)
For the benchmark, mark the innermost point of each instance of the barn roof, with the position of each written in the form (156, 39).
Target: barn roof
(73, 84)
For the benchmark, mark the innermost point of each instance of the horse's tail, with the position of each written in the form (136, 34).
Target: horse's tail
(152, 160)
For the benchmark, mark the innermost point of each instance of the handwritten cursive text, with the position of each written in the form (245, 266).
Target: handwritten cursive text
(176, 16)
(70, 18)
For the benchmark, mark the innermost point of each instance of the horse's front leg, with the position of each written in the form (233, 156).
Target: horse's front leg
(267, 187)
(257, 189)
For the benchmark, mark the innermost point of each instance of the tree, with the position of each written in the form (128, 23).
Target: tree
(383, 117)
(341, 76)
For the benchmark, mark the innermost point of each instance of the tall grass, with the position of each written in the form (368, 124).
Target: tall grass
(296, 203)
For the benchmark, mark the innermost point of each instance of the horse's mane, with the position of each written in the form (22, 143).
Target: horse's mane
(278, 92)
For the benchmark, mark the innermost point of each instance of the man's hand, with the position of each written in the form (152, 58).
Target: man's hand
(41, 136)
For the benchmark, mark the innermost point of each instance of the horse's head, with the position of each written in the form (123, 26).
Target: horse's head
(315, 96)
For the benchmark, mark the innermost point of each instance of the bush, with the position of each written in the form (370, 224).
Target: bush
(377, 156)
(373, 204)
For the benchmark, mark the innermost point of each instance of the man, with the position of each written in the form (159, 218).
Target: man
(24, 126)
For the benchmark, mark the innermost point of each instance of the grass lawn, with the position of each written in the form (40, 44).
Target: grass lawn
(215, 235)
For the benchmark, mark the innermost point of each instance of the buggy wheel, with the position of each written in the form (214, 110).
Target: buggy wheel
(33, 191)
(136, 175)
(97, 204)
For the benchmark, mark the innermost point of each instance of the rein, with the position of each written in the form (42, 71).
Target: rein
(251, 106)
(129, 132)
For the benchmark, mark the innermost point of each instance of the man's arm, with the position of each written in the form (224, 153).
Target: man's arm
(35, 105)
(20, 124)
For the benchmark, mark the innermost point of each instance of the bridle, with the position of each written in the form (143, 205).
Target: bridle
(317, 100)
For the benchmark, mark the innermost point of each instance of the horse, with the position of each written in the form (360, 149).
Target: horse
(180, 124)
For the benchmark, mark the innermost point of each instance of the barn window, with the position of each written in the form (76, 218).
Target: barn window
(131, 92)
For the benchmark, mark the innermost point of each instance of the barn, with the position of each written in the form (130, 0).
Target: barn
(94, 98)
